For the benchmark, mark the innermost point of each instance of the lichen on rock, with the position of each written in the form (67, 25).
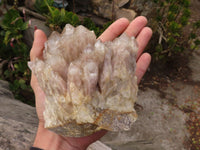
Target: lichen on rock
(89, 85)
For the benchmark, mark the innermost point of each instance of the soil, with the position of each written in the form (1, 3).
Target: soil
(161, 74)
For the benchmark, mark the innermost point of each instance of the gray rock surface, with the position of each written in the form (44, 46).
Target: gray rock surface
(112, 10)
(18, 121)
(142, 6)
(29, 33)
(195, 65)
(159, 126)
(127, 13)
(98, 146)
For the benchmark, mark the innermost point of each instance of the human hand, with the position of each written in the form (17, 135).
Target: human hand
(46, 139)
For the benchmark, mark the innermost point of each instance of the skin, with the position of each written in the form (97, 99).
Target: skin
(46, 139)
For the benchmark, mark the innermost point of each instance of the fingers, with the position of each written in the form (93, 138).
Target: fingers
(143, 34)
(36, 52)
(38, 44)
(137, 29)
(143, 39)
(136, 26)
(114, 30)
(142, 65)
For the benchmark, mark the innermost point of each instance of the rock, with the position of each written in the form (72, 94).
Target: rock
(126, 13)
(144, 7)
(160, 126)
(15, 135)
(121, 3)
(86, 89)
(98, 146)
(104, 8)
(30, 4)
(29, 33)
(18, 121)
(110, 10)
(4, 90)
(194, 65)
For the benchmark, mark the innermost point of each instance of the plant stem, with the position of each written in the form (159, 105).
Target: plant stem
(113, 10)
(63, 3)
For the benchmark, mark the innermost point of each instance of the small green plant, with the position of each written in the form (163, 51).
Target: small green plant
(169, 24)
(58, 18)
(14, 53)
(13, 24)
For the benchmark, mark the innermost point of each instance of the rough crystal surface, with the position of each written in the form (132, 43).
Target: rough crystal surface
(89, 85)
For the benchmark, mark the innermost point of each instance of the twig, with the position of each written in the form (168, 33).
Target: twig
(73, 6)
(32, 13)
(160, 31)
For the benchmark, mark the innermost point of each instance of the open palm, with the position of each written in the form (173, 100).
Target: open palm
(48, 140)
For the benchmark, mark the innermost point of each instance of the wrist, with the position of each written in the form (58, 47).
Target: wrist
(48, 140)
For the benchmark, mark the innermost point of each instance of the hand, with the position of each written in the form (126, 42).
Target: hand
(46, 139)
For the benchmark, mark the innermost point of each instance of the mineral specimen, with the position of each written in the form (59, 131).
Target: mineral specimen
(89, 85)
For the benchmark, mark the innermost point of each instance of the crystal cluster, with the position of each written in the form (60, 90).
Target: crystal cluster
(89, 85)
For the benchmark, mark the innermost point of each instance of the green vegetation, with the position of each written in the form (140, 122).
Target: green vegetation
(58, 18)
(14, 53)
(171, 18)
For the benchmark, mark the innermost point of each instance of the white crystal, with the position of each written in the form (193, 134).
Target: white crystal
(89, 85)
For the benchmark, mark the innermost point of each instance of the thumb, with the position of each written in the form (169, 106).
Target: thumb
(37, 52)
(38, 45)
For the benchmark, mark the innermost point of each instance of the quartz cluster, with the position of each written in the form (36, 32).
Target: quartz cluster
(89, 85)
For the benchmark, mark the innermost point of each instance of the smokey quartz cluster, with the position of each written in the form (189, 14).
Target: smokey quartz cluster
(89, 85)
